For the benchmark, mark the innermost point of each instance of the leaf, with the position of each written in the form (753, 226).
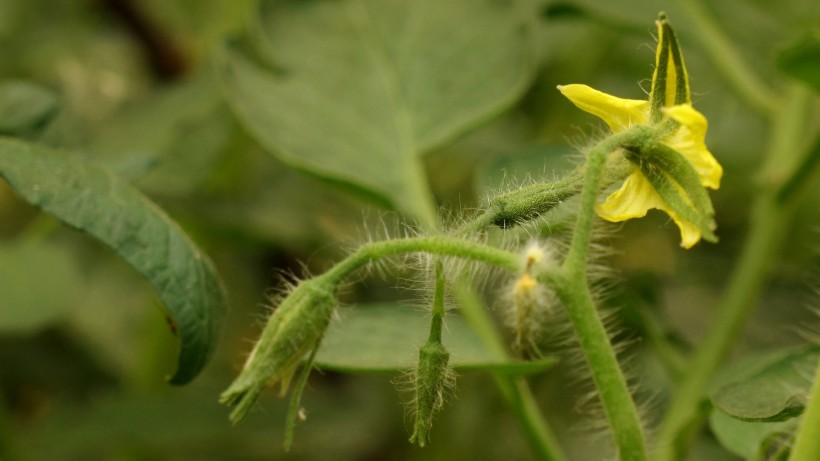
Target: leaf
(753, 440)
(387, 337)
(360, 89)
(99, 204)
(771, 386)
(26, 303)
(800, 59)
(25, 108)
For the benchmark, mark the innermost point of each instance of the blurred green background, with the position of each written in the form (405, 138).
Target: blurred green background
(140, 87)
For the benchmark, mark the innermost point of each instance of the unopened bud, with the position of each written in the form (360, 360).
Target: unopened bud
(433, 378)
(294, 329)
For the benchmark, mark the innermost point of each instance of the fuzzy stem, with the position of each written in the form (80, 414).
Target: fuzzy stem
(572, 287)
(515, 390)
(727, 59)
(769, 219)
(807, 444)
(437, 312)
(444, 246)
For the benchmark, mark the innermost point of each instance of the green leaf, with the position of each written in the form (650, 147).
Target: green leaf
(25, 108)
(387, 338)
(800, 59)
(360, 89)
(770, 386)
(753, 440)
(28, 304)
(99, 204)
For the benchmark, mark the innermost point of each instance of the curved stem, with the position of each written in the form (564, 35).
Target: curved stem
(444, 246)
(572, 287)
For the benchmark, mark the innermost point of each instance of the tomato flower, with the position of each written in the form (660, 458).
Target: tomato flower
(672, 168)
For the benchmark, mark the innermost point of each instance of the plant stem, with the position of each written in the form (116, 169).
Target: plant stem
(807, 444)
(572, 287)
(444, 246)
(727, 59)
(769, 218)
(515, 390)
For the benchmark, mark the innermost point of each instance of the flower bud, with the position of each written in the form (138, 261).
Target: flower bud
(530, 301)
(433, 378)
(294, 329)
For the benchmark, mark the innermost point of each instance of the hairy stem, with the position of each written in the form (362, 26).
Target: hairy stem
(444, 246)
(769, 218)
(572, 287)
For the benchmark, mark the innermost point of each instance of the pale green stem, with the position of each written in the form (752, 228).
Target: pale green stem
(572, 287)
(444, 246)
(437, 312)
(807, 444)
(727, 59)
(769, 218)
(515, 390)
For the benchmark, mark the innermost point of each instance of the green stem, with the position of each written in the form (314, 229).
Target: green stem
(445, 246)
(515, 390)
(807, 444)
(572, 287)
(769, 219)
(437, 312)
(727, 59)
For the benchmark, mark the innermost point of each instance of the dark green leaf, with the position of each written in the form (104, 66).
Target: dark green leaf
(381, 338)
(99, 204)
(361, 88)
(25, 108)
(771, 386)
(800, 59)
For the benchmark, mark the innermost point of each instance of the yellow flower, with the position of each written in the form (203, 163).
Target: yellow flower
(678, 126)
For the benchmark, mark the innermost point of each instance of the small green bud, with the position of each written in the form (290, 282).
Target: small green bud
(530, 202)
(294, 329)
(433, 379)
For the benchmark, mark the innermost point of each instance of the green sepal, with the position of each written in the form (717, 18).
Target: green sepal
(678, 184)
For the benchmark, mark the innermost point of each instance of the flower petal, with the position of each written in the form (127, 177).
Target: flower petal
(689, 140)
(635, 198)
(689, 233)
(618, 113)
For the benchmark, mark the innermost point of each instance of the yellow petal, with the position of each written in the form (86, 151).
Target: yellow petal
(635, 198)
(689, 234)
(618, 113)
(689, 140)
